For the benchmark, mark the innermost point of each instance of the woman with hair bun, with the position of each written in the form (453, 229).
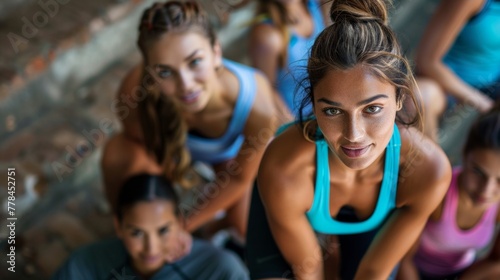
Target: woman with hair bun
(358, 168)
(192, 103)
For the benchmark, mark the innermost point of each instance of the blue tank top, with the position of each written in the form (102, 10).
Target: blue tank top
(226, 147)
(298, 52)
(319, 215)
(475, 54)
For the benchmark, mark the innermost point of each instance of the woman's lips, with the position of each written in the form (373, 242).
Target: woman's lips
(150, 259)
(354, 152)
(191, 97)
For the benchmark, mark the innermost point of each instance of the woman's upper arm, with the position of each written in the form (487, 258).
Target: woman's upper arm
(325, 11)
(443, 28)
(266, 46)
(422, 186)
(286, 200)
(125, 105)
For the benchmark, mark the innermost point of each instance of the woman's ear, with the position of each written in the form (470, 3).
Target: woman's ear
(400, 101)
(117, 227)
(217, 55)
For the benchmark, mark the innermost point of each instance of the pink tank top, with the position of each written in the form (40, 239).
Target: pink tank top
(444, 247)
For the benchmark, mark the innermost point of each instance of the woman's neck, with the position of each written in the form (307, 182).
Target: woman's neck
(464, 199)
(216, 103)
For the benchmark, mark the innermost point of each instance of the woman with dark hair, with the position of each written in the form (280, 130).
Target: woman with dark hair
(280, 41)
(146, 218)
(358, 168)
(464, 223)
(193, 103)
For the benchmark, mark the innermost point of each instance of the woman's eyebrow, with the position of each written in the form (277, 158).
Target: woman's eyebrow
(189, 57)
(167, 225)
(371, 99)
(363, 102)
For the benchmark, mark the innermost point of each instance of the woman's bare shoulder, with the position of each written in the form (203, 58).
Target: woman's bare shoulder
(267, 38)
(289, 158)
(121, 153)
(131, 80)
(425, 171)
(287, 171)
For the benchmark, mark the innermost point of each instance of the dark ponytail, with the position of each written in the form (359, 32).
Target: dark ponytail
(165, 134)
(485, 132)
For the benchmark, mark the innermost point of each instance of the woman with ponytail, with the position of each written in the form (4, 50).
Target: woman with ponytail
(146, 218)
(358, 168)
(190, 102)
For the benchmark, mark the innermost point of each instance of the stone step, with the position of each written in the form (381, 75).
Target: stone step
(52, 47)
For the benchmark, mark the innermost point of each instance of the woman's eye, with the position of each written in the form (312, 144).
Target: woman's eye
(163, 231)
(331, 111)
(195, 62)
(136, 233)
(478, 172)
(164, 74)
(373, 109)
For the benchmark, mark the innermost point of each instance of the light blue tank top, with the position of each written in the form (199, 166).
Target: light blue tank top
(319, 215)
(226, 147)
(298, 53)
(475, 54)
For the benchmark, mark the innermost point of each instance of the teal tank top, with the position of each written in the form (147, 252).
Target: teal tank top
(226, 147)
(319, 215)
(475, 54)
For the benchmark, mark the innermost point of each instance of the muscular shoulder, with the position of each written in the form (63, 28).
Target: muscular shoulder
(425, 171)
(287, 169)
(118, 153)
(123, 157)
(130, 81)
(266, 38)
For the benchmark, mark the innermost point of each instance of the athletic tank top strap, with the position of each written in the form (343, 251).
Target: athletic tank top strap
(216, 150)
(448, 213)
(319, 215)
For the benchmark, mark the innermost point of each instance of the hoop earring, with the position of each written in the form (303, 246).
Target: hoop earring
(305, 132)
(400, 102)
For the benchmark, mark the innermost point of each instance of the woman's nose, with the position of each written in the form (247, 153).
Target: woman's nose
(353, 129)
(186, 81)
